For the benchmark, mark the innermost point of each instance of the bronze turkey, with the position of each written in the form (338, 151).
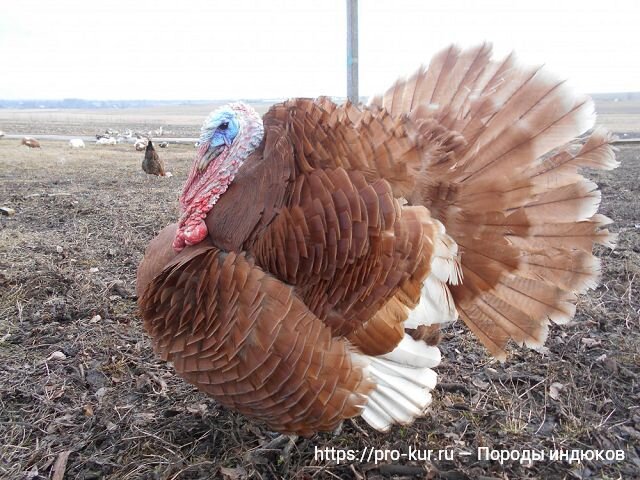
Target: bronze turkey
(321, 246)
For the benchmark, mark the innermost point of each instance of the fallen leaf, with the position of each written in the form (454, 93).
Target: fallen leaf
(555, 389)
(33, 473)
(200, 408)
(233, 473)
(447, 401)
(452, 436)
(53, 392)
(100, 393)
(481, 384)
(143, 418)
(57, 356)
(590, 342)
(60, 466)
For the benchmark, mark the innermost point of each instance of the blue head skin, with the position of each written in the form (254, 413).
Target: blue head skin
(229, 135)
(218, 132)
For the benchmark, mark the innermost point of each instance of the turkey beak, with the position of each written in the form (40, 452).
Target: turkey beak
(206, 157)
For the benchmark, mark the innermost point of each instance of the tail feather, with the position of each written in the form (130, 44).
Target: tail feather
(595, 153)
(501, 171)
(512, 321)
(570, 270)
(403, 381)
(570, 203)
(565, 236)
(533, 132)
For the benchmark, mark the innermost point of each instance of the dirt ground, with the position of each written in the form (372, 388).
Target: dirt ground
(82, 395)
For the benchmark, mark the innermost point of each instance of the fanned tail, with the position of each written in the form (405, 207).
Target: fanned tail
(502, 154)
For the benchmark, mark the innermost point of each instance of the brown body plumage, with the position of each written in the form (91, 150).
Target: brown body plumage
(152, 163)
(339, 236)
(30, 142)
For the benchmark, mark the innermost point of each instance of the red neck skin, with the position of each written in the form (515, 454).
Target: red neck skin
(201, 191)
(203, 188)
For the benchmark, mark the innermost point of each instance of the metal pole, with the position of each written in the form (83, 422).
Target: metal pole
(352, 51)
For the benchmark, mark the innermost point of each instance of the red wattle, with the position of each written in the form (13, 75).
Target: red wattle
(195, 233)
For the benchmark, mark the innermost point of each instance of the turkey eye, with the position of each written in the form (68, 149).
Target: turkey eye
(223, 126)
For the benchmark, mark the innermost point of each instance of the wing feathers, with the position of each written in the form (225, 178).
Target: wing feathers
(261, 351)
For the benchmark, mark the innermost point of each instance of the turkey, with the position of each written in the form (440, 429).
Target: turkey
(152, 163)
(321, 247)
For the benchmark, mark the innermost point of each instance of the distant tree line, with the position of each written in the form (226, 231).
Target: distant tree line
(86, 104)
(115, 104)
(619, 96)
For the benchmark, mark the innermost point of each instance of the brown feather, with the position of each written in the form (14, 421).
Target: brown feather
(259, 351)
(152, 164)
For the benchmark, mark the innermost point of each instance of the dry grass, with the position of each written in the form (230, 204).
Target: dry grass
(109, 409)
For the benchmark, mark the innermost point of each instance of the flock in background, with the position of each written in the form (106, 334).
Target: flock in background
(151, 164)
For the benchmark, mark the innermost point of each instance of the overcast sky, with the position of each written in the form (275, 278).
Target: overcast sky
(210, 49)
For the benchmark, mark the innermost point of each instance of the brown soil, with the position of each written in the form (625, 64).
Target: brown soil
(82, 393)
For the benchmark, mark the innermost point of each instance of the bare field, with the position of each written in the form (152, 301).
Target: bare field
(176, 120)
(185, 120)
(82, 392)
